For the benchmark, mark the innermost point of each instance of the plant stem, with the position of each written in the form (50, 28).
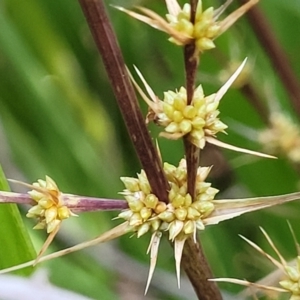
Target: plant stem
(198, 271)
(105, 38)
(276, 54)
(193, 259)
(191, 151)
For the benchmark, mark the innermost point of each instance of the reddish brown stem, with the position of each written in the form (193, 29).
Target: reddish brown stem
(105, 39)
(276, 54)
(198, 271)
(193, 259)
(191, 151)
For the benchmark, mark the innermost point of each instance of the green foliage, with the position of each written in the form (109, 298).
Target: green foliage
(16, 246)
(61, 119)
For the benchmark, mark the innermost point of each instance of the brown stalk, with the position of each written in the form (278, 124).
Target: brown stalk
(276, 54)
(193, 260)
(106, 41)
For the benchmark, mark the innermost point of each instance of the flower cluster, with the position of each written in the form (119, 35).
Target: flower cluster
(182, 30)
(203, 31)
(50, 209)
(292, 282)
(283, 136)
(287, 276)
(199, 119)
(181, 216)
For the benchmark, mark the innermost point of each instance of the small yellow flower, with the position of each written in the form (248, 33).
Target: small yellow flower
(198, 120)
(282, 137)
(288, 272)
(50, 209)
(181, 217)
(182, 30)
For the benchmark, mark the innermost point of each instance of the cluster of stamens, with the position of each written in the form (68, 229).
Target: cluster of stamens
(282, 137)
(198, 119)
(181, 216)
(49, 210)
(203, 31)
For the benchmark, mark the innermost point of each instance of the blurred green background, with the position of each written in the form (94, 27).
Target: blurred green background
(58, 117)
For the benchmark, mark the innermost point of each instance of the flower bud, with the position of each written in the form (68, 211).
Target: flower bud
(292, 273)
(175, 228)
(200, 225)
(145, 213)
(151, 201)
(167, 216)
(189, 112)
(177, 116)
(155, 224)
(126, 214)
(135, 220)
(132, 184)
(63, 212)
(189, 227)
(181, 213)
(53, 225)
(143, 229)
(212, 31)
(35, 211)
(192, 213)
(178, 201)
(160, 207)
(45, 202)
(188, 200)
(205, 44)
(172, 127)
(168, 109)
(50, 214)
(134, 204)
(185, 126)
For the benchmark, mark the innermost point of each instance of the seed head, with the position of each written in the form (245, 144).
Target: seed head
(181, 217)
(50, 209)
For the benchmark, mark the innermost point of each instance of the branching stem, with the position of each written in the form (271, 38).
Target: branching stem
(105, 39)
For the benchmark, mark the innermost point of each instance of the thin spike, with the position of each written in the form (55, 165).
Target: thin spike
(222, 91)
(178, 248)
(46, 244)
(173, 7)
(233, 17)
(221, 9)
(294, 238)
(105, 237)
(36, 188)
(248, 283)
(260, 250)
(218, 143)
(150, 103)
(283, 262)
(147, 86)
(153, 247)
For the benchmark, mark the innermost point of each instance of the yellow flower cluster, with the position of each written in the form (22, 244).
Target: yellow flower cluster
(199, 119)
(292, 283)
(283, 137)
(49, 210)
(181, 216)
(204, 31)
